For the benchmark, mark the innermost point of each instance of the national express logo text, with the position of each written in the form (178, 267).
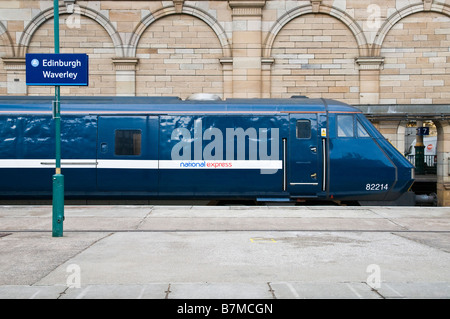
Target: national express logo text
(205, 164)
(235, 149)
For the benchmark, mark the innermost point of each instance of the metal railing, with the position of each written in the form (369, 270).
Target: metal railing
(430, 160)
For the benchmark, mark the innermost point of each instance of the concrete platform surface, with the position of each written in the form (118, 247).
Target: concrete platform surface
(225, 252)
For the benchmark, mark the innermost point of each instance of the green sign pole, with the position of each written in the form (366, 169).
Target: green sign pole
(58, 178)
(420, 151)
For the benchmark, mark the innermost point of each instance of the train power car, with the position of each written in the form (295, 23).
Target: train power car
(165, 147)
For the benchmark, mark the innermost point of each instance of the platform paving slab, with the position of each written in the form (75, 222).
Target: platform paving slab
(224, 291)
(214, 252)
(239, 257)
(27, 257)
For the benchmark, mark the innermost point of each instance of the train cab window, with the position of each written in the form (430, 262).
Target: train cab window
(362, 132)
(128, 142)
(303, 129)
(345, 126)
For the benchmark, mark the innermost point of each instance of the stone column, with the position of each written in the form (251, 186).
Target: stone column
(390, 130)
(227, 70)
(15, 76)
(125, 76)
(247, 47)
(266, 77)
(443, 163)
(369, 79)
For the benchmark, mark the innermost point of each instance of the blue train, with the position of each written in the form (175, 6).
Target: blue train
(165, 147)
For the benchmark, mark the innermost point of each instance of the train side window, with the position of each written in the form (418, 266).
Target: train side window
(303, 129)
(362, 132)
(128, 142)
(345, 126)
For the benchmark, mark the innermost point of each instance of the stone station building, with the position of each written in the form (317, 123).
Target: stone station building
(391, 58)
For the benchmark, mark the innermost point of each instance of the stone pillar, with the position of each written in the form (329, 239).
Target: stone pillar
(401, 137)
(369, 79)
(266, 77)
(389, 129)
(443, 162)
(125, 76)
(227, 70)
(15, 76)
(247, 47)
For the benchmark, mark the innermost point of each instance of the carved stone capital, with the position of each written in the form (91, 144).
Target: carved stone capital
(227, 63)
(370, 63)
(14, 63)
(125, 64)
(247, 7)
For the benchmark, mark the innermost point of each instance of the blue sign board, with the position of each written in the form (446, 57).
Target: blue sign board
(57, 69)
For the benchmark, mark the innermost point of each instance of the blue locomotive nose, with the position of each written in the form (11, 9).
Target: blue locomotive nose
(396, 167)
(404, 170)
(363, 164)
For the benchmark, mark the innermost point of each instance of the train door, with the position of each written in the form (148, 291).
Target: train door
(305, 176)
(127, 154)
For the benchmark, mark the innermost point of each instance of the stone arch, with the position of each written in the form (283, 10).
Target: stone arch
(171, 10)
(314, 55)
(5, 38)
(6, 51)
(415, 51)
(83, 11)
(398, 15)
(87, 36)
(342, 16)
(179, 55)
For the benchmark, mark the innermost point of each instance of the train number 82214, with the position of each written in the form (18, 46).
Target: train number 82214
(377, 187)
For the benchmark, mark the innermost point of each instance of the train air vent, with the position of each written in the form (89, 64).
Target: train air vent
(299, 97)
(204, 97)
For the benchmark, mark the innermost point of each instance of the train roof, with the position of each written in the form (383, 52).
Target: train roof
(165, 105)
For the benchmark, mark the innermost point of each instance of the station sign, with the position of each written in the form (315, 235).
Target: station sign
(64, 69)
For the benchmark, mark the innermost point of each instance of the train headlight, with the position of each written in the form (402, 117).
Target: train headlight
(413, 173)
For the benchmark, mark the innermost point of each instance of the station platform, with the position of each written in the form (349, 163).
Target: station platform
(225, 252)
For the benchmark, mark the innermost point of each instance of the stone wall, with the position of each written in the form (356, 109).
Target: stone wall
(378, 51)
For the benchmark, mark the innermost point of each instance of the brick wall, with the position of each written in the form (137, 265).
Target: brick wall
(378, 51)
(178, 55)
(315, 56)
(417, 61)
